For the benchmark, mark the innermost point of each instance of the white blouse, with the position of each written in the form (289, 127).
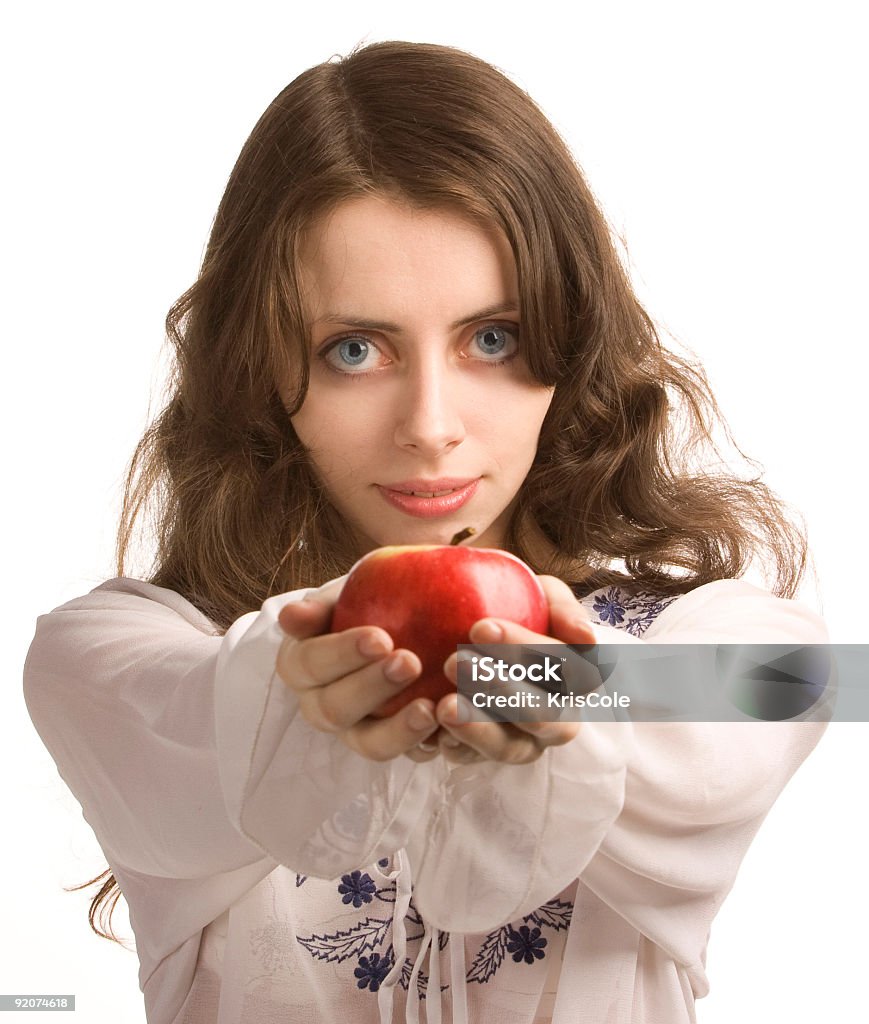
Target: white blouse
(274, 875)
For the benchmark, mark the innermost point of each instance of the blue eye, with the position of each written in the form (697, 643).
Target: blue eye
(352, 351)
(353, 355)
(496, 341)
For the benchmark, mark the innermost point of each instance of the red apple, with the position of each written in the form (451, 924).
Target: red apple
(427, 597)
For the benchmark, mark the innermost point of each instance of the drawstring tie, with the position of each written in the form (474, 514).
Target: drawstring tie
(430, 940)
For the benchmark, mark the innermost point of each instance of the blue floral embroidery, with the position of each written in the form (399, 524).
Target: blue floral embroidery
(526, 945)
(493, 951)
(608, 607)
(640, 606)
(371, 934)
(650, 607)
(357, 888)
(490, 955)
(372, 970)
(367, 934)
(554, 914)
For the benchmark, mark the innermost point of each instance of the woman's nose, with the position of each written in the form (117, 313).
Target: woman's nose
(430, 421)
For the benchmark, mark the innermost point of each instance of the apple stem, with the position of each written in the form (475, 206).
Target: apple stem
(468, 531)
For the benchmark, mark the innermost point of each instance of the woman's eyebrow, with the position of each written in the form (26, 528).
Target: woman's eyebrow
(510, 306)
(364, 323)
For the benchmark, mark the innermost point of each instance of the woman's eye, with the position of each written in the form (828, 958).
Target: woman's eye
(496, 342)
(352, 354)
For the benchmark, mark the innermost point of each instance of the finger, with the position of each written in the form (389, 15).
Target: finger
(501, 631)
(463, 755)
(566, 625)
(421, 754)
(382, 739)
(426, 749)
(313, 613)
(534, 706)
(341, 705)
(302, 619)
(550, 734)
(320, 660)
(507, 742)
(538, 722)
(493, 741)
(456, 752)
(568, 620)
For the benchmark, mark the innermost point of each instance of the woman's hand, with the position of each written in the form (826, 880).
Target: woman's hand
(510, 742)
(340, 678)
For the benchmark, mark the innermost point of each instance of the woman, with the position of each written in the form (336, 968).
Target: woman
(410, 318)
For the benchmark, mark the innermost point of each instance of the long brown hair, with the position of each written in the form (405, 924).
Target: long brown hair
(236, 511)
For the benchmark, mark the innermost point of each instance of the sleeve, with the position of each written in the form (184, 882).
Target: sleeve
(696, 793)
(191, 762)
(654, 818)
(120, 687)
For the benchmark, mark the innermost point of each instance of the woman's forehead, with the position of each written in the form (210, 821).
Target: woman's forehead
(369, 256)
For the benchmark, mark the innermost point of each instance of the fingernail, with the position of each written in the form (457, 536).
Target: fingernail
(397, 670)
(456, 712)
(487, 631)
(464, 710)
(372, 645)
(420, 717)
(451, 742)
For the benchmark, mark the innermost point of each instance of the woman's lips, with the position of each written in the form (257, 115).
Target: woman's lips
(429, 502)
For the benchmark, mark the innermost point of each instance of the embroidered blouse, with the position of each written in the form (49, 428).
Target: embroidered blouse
(273, 875)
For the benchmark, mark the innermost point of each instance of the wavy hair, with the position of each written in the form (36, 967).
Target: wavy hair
(622, 484)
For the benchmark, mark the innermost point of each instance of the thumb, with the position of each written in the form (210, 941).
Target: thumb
(301, 619)
(313, 614)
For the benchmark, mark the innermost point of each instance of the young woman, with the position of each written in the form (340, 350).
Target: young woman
(410, 319)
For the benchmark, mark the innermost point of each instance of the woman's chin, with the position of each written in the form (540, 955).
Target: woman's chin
(434, 533)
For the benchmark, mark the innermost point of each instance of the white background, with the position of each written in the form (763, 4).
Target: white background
(727, 146)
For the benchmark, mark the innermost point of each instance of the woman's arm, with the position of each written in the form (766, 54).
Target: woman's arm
(693, 796)
(192, 762)
(698, 792)
(120, 686)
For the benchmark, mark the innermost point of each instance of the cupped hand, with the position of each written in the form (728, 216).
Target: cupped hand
(511, 742)
(341, 678)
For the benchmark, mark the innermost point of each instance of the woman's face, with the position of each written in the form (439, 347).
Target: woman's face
(421, 417)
